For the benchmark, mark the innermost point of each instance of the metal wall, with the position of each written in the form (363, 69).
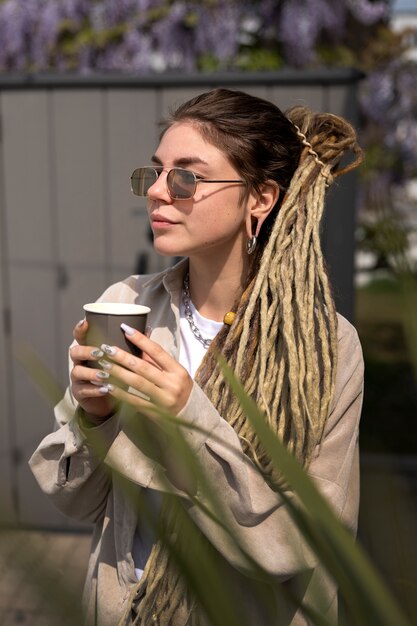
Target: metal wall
(70, 227)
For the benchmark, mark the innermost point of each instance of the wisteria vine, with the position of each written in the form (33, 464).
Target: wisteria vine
(151, 35)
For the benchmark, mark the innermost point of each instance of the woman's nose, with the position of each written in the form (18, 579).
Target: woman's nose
(159, 189)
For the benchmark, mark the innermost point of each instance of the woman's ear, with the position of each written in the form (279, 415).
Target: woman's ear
(260, 206)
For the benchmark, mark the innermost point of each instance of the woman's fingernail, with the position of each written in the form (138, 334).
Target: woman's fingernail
(148, 331)
(106, 365)
(96, 353)
(110, 350)
(102, 375)
(106, 388)
(127, 329)
(81, 322)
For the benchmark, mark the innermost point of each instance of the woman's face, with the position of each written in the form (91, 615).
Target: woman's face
(212, 223)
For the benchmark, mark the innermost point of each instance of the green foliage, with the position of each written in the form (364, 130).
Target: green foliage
(387, 237)
(208, 63)
(336, 55)
(260, 59)
(377, 158)
(366, 598)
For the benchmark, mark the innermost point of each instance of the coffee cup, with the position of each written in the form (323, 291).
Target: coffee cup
(104, 320)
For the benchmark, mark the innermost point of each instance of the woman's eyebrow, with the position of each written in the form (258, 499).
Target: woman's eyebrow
(182, 162)
(186, 161)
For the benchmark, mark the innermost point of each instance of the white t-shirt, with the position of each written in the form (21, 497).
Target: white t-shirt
(192, 350)
(191, 354)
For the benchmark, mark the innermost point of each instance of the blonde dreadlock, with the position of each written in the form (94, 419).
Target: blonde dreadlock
(282, 344)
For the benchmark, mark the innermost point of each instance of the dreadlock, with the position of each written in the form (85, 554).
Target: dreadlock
(282, 344)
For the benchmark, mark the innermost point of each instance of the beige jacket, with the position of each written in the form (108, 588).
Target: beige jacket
(80, 485)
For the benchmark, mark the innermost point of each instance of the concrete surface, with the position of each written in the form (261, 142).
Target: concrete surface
(41, 577)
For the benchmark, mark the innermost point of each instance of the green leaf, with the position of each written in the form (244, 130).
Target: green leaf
(367, 598)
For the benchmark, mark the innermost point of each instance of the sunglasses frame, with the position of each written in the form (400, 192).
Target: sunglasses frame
(158, 169)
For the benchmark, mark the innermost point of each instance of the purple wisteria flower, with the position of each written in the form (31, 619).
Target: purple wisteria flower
(177, 32)
(301, 24)
(388, 101)
(14, 29)
(45, 35)
(218, 29)
(367, 12)
(174, 38)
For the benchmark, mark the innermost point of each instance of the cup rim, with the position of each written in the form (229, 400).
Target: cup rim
(116, 308)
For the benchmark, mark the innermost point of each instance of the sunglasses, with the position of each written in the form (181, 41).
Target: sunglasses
(181, 183)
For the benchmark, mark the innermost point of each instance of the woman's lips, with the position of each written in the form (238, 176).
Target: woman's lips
(158, 221)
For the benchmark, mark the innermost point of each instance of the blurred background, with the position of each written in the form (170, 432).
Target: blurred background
(82, 87)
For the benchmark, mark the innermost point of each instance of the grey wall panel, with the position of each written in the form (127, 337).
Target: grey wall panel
(285, 96)
(7, 483)
(341, 99)
(8, 487)
(171, 98)
(7, 417)
(132, 140)
(34, 340)
(338, 241)
(27, 175)
(34, 336)
(7, 426)
(78, 126)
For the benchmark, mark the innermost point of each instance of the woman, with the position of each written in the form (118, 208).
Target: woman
(236, 188)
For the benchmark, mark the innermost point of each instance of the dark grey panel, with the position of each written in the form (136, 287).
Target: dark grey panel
(28, 180)
(288, 96)
(78, 127)
(132, 140)
(7, 477)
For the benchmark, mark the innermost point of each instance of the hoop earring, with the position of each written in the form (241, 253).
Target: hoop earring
(251, 244)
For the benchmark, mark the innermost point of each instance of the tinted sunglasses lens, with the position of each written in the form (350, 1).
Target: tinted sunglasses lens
(181, 184)
(142, 179)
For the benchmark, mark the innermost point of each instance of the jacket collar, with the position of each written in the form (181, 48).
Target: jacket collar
(172, 278)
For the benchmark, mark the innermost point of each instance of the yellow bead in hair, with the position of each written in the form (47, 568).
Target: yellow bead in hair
(228, 318)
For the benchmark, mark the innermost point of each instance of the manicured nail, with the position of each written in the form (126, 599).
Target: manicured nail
(81, 322)
(110, 350)
(102, 375)
(106, 388)
(106, 365)
(96, 353)
(127, 329)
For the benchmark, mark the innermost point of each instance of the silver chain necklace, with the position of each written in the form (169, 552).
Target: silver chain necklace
(189, 314)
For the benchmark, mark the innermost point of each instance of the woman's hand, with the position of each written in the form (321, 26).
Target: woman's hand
(156, 375)
(87, 383)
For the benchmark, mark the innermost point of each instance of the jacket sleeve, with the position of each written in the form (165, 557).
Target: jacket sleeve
(255, 513)
(69, 468)
(67, 464)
